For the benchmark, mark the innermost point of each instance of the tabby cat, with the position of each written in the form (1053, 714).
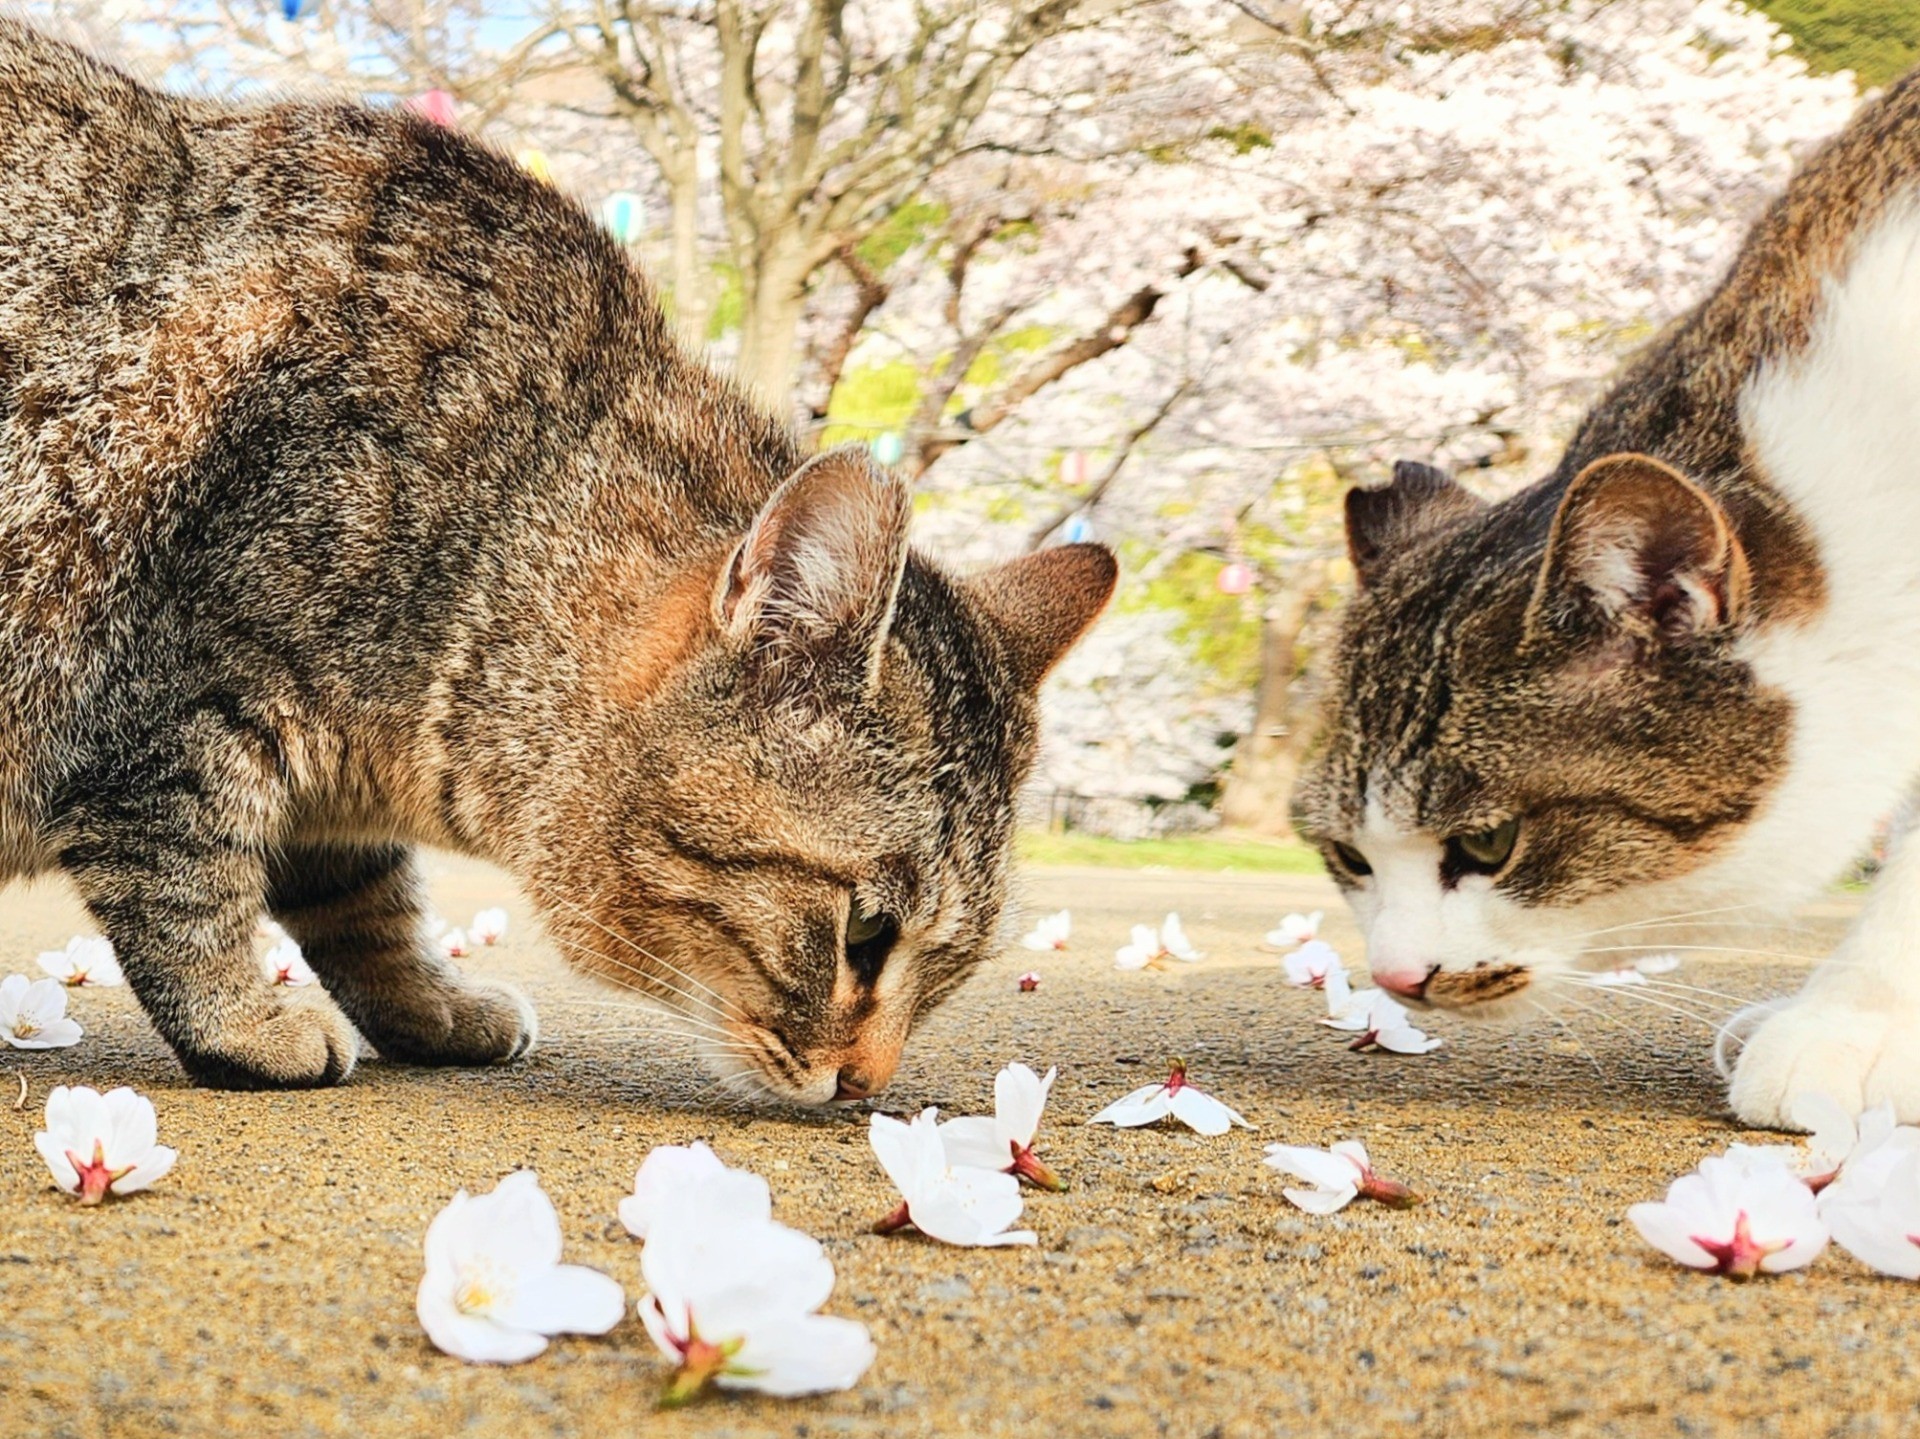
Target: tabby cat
(1680, 673)
(355, 496)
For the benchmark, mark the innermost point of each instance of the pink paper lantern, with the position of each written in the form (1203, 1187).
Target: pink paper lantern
(435, 105)
(1235, 578)
(1073, 467)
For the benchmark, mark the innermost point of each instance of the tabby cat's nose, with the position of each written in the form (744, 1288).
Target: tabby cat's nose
(1407, 983)
(855, 1085)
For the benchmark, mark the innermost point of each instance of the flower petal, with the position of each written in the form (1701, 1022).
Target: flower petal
(468, 1336)
(1203, 1113)
(567, 1299)
(801, 1354)
(1145, 1105)
(152, 1165)
(1322, 1201)
(975, 1141)
(1319, 1167)
(55, 1153)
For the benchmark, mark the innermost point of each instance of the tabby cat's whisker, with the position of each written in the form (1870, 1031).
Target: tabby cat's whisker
(1698, 949)
(1568, 1030)
(653, 979)
(1712, 1022)
(1677, 987)
(1684, 917)
(641, 950)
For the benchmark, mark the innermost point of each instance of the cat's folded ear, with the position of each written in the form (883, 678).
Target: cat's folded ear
(1043, 602)
(810, 591)
(1641, 548)
(1384, 520)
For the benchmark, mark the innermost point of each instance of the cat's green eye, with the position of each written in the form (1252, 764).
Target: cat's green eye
(869, 938)
(1484, 851)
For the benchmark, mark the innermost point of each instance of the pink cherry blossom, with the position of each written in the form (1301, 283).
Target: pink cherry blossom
(87, 961)
(1179, 1098)
(1338, 1175)
(98, 1144)
(1735, 1219)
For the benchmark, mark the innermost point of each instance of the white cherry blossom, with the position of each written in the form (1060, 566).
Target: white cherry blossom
(956, 1204)
(454, 943)
(1050, 931)
(1177, 1097)
(1873, 1210)
(489, 926)
(1309, 966)
(494, 1288)
(1005, 1141)
(1297, 929)
(286, 965)
(86, 961)
(97, 1144)
(731, 1294)
(33, 1014)
(671, 1174)
(1374, 1018)
(1735, 1219)
(1149, 946)
(1338, 1175)
(1836, 1143)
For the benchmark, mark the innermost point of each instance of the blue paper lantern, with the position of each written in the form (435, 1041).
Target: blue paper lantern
(1078, 530)
(889, 448)
(625, 214)
(292, 8)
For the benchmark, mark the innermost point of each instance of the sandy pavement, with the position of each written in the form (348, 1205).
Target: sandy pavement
(266, 1287)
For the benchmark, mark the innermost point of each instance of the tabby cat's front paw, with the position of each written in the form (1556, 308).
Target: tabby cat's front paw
(303, 1044)
(1860, 1055)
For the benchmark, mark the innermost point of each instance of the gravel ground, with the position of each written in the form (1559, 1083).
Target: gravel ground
(266, 1287)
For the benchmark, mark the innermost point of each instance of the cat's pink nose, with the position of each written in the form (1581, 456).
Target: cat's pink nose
(1407, 983)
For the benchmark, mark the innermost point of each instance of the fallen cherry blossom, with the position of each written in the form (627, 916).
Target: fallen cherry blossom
(86, 961)
(285, 964)
(1177, 1097)
(1339, 1176)
(1050, 932)
(955, 1204)
(1297, 928)
(1150, 946)
(1029, 982)
(671, 1172)
(732, 1295)
(453, 943)
(489, 926)
(1310, 964)
(1374, 1018)
(494, 1288)
(1005, 1142)
(1873, 1211)
(1657, 964)
(1614, 978)
(33, 1014)
(1835, 1140)
(97, 1144)
(1735, 1219)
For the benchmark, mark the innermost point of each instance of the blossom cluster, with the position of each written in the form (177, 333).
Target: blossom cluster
(1763, 1209)
(1375, 1019)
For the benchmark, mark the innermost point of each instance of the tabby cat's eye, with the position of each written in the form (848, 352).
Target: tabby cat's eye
(1484, 851)
(1351, 860)
(869, 937)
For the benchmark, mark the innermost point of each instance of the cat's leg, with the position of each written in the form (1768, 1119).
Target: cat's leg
(357, 913)
(1853, 1032)
(165, 841)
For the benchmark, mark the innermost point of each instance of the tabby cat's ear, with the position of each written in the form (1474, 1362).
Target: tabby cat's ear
(811, 588)
(1643, 546)
(1383, 520)
(1043, 602)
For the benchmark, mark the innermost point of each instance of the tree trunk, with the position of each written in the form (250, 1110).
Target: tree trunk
(691, 281)
(773, 296)
(1268, 756)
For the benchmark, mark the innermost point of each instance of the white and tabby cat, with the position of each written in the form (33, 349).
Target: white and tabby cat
(1679, 673)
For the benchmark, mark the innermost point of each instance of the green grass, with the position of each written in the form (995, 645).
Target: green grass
(1879, 40)
(1243, 854)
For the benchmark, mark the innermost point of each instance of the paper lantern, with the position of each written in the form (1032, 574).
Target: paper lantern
(1073, 468)
(534, 162)
(435, 105)
(1077, 530)
(889, 448)
(1235, 578)
(292, 8)
(626, 216)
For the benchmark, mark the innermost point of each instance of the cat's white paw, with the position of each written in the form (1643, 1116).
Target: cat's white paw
(1834, 1044)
